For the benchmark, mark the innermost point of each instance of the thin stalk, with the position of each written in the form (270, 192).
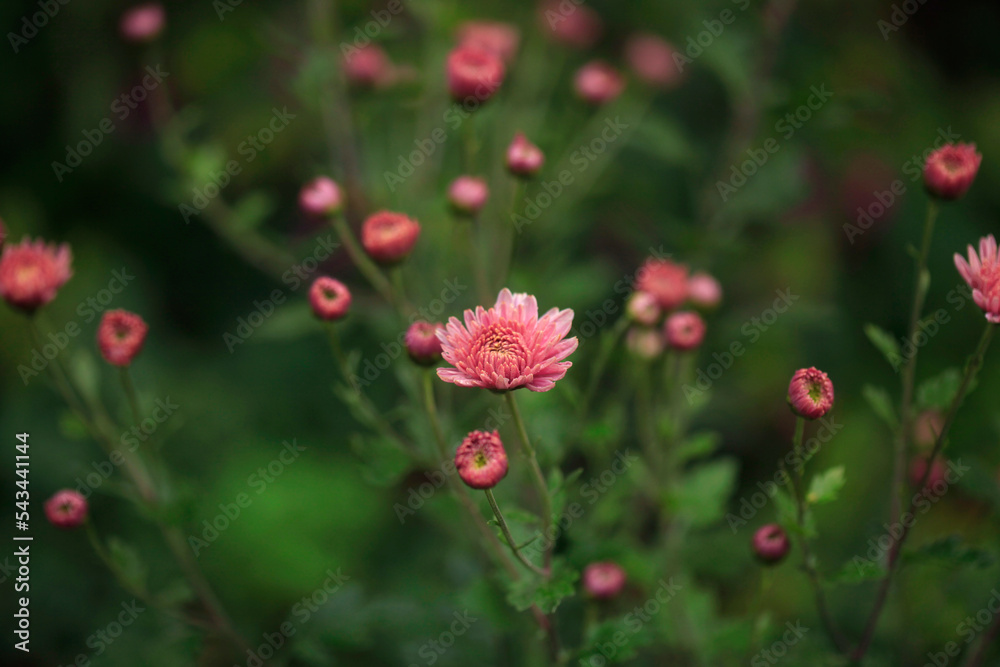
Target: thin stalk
(515, 233)
(510, 538)
(540, 486)
(129, 387)
(372, 273)
(603, 356)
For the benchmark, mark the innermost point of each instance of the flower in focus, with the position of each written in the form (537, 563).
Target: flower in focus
(570, 23)
(598, 83)
(481, 460)
(810, 393)
(508, 346)
(603, 580)
(120, 336)
(320, 197)
(389, 237)
(982, 273)
(524, 158)
(329, 298)
(684, 330)
(474, 73)
(771, 544)
(652, 60)
(644, 342)
(422, 342)
(142, 23)
(66, 509)
(367, 66)
(950, 170)
(468, 194)
(500, 39)
(704, 291)
(642, 307)
(32, 273)
(665, 281)
(918, 468)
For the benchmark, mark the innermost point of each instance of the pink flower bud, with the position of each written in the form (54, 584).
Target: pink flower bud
(321, 197)
(810, 393)
(474, 74)
(524, 158)
(598, 83)
(665, 281)
(500, 39)
(66, 509)
(950, 170)
(422, 343)
(142, 23)
(644, 343)
(704, 291)
(653, 60)
(330, 299)
(570, 23)
(389, 237)
(918, 467)
(642, 307)
(481, 460)
(771, 544)
(367, 66)
(468, 194)
(603, 580)
(120, 336)
(32, 273)
(684, 330)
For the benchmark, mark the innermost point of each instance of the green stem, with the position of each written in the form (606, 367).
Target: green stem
(372, 273)
(515, 234)
(129, 388)
(536, 472)
(603, 356)
(510, 538)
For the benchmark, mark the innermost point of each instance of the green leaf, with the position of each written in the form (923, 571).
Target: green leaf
(128, 564)
(825, 486)
(704, 492)
(546, 594)
(696, 446)
(951, 551)
(885, 343)
(939, 391)
(880, 402)
(857, 571)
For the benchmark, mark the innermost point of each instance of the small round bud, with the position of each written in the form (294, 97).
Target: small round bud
(500, 39)
(643, 308)
(665, 281)
(474, 73)
(66, 509)
(603, 580)
(481, 460)
(321, 197)
(368, 66)
(142, 23)
(810, 393)
(652, 60)
(330, 299)
(598, 83)
(524, 158)
(684, 330)
(645, 343)
(950, 170)
(571, 24)
(771, 544)
(389, 237)
(422, 343)
(704, 291)
(468, 194)
(120, 336)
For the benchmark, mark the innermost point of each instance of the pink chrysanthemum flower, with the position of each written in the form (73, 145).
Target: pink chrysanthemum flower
(524, 158)
(468, 194)
(704, 291)
(598, 83)
(481, 460)
(508, 346)
(320, 197)
(950, 170)
(389, 237)
(684, 330)
(982, 272)
(810, 393)
(422, 342)
(368, 66)
(329, 298)
(666, 281)
(120, 336)
(66, 509)
(603, 580)
(474, 74)
(571, 24)
(642, 307)
(771, 544)
(32, 273)
(653, 60)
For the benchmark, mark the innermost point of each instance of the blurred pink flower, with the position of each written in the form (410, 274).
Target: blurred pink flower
(329, 298)
(468, 194)
(320, 197)
(598, 83)
(32, 273)
(120, 336)
(684, 330)
(368, 66)
(143, 23)
(570, 23)
(982, 272)
(389, 237)
(524, 158)
(474, 73)
(508, 346)
(771, 544)
(422, 343)
(704, 291)
(950, 170)
(652, 60)
(500, 39)
(603, 580)
(643, 307)
(66, 509)
(665, 281)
